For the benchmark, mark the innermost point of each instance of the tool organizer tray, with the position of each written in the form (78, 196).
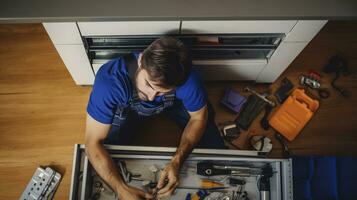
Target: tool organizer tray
(145, 163)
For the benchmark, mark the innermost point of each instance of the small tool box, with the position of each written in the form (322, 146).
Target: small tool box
(293, 114)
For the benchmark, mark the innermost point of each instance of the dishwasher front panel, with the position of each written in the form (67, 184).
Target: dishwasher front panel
(144, 164)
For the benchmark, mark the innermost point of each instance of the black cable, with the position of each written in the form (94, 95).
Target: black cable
(264, 121)
(343, 92)
(229, 139)
(286, 152)
(337, 65)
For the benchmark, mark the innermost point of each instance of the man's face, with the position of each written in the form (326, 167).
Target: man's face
(148, 89)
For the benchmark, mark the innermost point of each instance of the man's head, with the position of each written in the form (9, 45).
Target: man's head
(163, 66)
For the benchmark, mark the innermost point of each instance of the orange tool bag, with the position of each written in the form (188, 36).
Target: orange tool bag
(293, 114)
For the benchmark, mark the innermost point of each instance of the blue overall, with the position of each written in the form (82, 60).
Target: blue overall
(126, 119)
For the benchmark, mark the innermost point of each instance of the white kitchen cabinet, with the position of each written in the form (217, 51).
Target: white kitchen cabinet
(295, 41)
(128, 28)
(68, 43)
(77, 63)
(234, 26)
(294, 35)
(63, 32)
(281, 59)
(305, 30)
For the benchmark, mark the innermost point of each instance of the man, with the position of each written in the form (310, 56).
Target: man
(133, 87)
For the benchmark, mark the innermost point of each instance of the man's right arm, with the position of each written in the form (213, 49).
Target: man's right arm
(96, 132)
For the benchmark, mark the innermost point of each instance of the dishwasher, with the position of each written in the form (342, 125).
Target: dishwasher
(209, 174)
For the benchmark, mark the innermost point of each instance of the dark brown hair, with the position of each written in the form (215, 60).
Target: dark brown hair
(167, 61)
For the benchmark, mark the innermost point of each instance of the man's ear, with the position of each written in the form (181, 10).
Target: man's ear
(139, 60)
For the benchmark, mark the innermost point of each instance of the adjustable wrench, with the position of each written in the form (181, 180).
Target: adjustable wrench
(271, 103)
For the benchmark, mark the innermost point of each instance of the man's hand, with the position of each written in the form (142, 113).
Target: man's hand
(169, 180)
(100, 159)
(132, 193)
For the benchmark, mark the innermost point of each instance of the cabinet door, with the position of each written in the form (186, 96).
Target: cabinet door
(77, 63)
(234, 26)
(294, 42)
(129, 28)
(230, 69)
(281, 59)
(305, 30)
(63, 32)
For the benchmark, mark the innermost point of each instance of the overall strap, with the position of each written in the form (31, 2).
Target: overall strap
(131, 65)
(120, 116)
(121, 113)
(169, 99)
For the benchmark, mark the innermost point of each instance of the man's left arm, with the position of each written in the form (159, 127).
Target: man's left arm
(192, 134)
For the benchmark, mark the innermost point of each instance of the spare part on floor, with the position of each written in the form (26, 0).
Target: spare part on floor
(230, 132)
(313, 83)
(233, 100)
(264, 121)
(286, 152)
(263, 97)
(309, 81)
(261, 143)
(293, 114)
(42, 185)
(284, 90)
(250, 111)
(338, 66)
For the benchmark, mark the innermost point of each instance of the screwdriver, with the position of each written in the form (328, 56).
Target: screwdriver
(207, 184)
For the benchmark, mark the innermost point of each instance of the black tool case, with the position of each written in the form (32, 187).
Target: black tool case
(86, 184)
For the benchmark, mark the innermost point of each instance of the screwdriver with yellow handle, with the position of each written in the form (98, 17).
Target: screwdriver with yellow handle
(208, 184)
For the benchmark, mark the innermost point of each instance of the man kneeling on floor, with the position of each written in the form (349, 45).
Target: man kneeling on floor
(138, 85)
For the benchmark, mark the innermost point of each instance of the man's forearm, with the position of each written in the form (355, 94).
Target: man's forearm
(191, 136)
(104, 166)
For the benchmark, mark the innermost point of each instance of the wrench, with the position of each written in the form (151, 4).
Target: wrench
(271, 103)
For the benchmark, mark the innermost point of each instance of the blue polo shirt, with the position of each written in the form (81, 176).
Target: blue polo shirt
(112, 88)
